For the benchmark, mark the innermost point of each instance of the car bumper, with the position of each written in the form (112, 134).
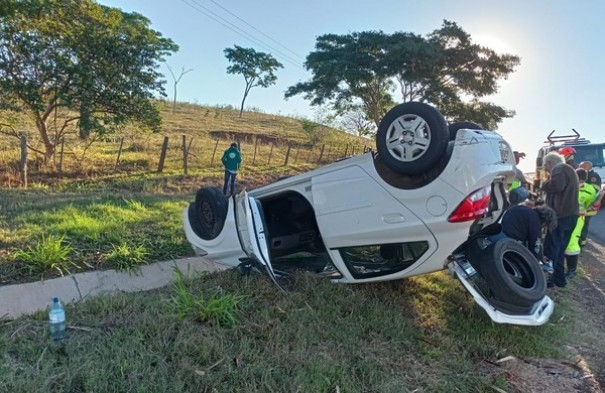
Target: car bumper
(538, 315)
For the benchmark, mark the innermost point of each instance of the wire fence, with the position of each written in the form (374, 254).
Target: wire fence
(175, 153)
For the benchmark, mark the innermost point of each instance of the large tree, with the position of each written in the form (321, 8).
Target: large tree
(347, 72)
(257, 68)
(96, 64)
(445, 68)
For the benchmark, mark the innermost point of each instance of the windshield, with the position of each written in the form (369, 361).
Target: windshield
(592, 153)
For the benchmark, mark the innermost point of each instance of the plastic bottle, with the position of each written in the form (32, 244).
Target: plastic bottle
(57, 323)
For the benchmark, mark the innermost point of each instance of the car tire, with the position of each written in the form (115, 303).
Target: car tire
(208, 213)
(411, 138)
(512, 273)
(459, 125)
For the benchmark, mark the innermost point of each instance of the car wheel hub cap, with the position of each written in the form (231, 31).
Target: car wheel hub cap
(408, 138)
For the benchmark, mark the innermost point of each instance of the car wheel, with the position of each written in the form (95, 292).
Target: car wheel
(411, 138)
(459, 125)
(512, 273)
(208, 213)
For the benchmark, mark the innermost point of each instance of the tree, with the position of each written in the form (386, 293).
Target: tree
(258, 68)
(176, 82)
(361, 70)
(355, 121)
(347, 69)
(96, 64)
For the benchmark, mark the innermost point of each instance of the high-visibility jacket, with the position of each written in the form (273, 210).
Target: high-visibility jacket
(586, 197)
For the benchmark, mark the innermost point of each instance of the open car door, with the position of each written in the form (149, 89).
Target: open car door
(250, 226)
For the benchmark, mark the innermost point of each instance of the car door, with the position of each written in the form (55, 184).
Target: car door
(353, 210)
(250, 226)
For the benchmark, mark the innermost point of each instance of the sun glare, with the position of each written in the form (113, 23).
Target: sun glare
(493, 42)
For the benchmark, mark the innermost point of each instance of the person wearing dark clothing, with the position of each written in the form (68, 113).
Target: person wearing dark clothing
(231, 160)
(524, 223)
(568, 154)
(519, 176)
(562, 191)
(594, 180)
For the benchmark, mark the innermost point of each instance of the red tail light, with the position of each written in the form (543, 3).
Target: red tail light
(474, 206)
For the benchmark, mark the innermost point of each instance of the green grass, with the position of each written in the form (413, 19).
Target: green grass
(422, 334)
(115, 222)
(49, 253)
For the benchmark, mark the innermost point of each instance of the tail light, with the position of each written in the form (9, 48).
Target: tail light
(474, 206)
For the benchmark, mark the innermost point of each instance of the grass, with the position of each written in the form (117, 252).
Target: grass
(210, 130)
(421, 334)
(50, 253)
(104, 223)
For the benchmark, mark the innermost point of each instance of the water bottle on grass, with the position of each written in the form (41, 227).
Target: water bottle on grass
(57, 323)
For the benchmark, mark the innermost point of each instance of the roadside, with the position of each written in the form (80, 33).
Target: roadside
(584, 369)
(22, 299)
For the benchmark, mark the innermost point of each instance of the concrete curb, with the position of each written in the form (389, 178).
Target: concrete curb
(22, 299)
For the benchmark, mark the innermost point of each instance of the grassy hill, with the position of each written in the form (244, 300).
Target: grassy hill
(264, 140)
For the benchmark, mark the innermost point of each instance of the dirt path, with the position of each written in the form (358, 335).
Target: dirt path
(590, 293)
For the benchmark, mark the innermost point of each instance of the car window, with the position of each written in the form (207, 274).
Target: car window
(382, 259)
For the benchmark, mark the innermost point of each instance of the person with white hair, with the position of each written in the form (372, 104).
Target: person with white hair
(562, 192)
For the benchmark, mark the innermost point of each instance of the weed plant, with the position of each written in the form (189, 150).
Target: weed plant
(127, 257)
(50, 253)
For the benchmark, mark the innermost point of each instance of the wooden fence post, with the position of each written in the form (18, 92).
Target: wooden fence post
(163, 155)
(119, 154)
(185, 154)
(61, 157)
(321, 154)
(287, 154)
(23, 163)
(296, 155)
(346, 150)
(255, 144)
(310, 151)
(213, 153)
(270, 153)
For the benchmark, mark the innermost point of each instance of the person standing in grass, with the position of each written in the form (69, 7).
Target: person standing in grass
(231, 160)
(587, 195)
(562, 192)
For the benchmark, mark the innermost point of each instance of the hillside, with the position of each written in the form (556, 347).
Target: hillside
(265, 140)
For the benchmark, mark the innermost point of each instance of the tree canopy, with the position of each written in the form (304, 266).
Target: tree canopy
(445, 68)
(97, 64)
(258, 68)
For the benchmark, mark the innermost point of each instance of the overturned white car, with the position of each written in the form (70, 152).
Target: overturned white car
(429, 199)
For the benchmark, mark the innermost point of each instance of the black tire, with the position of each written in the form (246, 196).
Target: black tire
(512, 273)
(408, 148)
(208, 213)
(459, 125)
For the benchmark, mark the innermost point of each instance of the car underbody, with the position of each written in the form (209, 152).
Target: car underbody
(365, 219)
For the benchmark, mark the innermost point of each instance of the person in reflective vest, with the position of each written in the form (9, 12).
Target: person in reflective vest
(586, 196)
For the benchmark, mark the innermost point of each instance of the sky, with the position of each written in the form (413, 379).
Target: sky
(559, 85)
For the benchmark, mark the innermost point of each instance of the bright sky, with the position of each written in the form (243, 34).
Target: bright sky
(559, 85)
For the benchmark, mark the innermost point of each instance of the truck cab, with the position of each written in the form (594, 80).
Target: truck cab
(585, 151)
